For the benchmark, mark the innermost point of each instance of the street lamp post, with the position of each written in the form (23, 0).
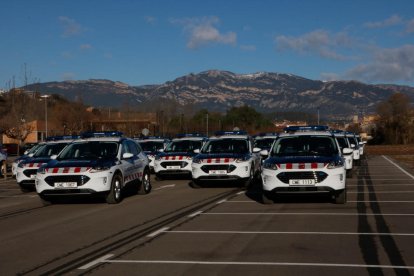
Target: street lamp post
(45, 97)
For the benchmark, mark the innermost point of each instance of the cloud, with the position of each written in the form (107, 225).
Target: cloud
(85, 46)
(387, 65)
(391, 21)
(318, 42)
(150, 20)
(410, 26)
(70, 27)
(203, 31)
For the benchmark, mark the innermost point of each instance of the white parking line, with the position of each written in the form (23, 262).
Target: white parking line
(97, 261)
(195, 214)
(380, 192)
(165, 186)
(159, 231)
(290, 233)
(258, 264)
(304, 214)
(14, 196)
(401, 169)
(221, 201)
(349, 201)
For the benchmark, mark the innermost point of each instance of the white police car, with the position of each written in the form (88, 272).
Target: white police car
(27, 154)
(100, 164)
(305, 162)
(344, 143)
(26, 169)
(152, 145)
(228, 156)
(355, 146)
(264, 141)
(177, 157)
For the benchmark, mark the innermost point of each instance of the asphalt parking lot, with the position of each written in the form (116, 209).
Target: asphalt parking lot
(224, 231)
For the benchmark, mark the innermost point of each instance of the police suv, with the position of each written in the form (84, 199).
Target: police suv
(27, 168)
(27, 154)
(344, 143)
(355, 146)
(152, 145)
(177, 157)
(98, 164)
(264, 141)
(228, 156)
(305, 161)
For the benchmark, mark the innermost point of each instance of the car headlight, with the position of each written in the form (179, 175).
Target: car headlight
(336, 164)
(197, 160)
(20, 165)
(270, 166)
(157, 157)
(99, 169)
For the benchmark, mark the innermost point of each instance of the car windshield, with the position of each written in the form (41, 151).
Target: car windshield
(151, 145)
(90, 151)
(304, 146)
(265, 143)
(49, 150)
(239, 146)
(342, 142)
(183, 146)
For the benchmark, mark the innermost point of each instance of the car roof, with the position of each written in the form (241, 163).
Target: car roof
(101, 139)
(229, 137)
(306, 133)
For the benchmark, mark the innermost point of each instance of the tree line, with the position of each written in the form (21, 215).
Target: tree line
(394, 124)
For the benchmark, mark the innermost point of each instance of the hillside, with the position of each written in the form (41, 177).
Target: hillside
(220, 90)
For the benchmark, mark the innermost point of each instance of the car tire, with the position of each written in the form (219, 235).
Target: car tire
(114, 196)
(249, 181)
(266, 198)
(195, 184)
(340, 197)
(145, 185)
(25, 189)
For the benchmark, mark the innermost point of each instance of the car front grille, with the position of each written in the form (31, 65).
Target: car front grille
(316, 175)
(182, 164)
(80, 179)
(228, 168)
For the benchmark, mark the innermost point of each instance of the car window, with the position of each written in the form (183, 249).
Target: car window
(132, 146)
(305, 146)
(226, 146)
(90, 151)
(49, 150)
(151, 145)
(183, 146)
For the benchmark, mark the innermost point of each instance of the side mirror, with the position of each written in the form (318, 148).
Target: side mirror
(53, 157)
(127, 155)
(25, 152)
(31, 155)
(347, 151)
(256, 150)
(161, 150)
(264, 153)
(197, 151)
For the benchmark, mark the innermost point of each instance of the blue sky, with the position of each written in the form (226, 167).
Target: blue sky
(151, 42)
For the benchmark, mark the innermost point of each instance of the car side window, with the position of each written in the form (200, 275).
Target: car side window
(125, 147)
(132, 146)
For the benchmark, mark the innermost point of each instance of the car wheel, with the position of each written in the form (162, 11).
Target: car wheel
(114, 195)
(145, 185)
(195, 184)
(266, 198)
(340, 198)
(349, 173)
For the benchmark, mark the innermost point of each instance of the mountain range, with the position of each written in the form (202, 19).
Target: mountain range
(220, 90)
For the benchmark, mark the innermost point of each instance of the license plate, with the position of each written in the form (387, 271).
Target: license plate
(66, 184)
(301, 182)
(173, 167)
(217, 172)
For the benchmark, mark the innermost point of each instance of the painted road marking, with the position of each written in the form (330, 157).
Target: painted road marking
(164, 187)
(157, 232)
(97, 261)
(258, 264)
(401, 169)
(195, 214)
(290, 233)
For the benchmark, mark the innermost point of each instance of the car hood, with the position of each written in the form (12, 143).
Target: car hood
(79, 163)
